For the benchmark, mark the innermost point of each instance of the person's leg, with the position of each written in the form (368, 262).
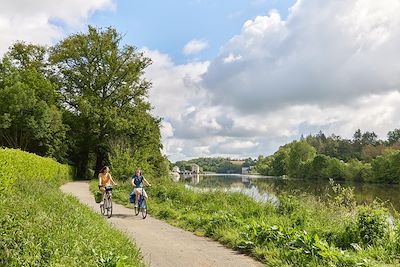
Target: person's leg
(102, 190)
(137, 193)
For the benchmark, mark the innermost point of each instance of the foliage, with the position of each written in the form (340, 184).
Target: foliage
(372, 224)
(299, 154)
(40, 226)
(299, 231)
(72, 100)
(368, 159)
(17, 166)
(102, 84)
(50, 229)
(30, 117)
(218, 165)
(386, 168)
(122, 162)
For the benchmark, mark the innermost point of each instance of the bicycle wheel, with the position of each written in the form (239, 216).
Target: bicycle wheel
(109, 206)
(137, 209)
(143, 208)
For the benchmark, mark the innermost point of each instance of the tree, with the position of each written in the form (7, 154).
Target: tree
(30, 118)
(315, 168)
(393, 136)
(105, 95)
(386, 168)
(299, 153)
(263, 165)
(279, 162)
(369, 138)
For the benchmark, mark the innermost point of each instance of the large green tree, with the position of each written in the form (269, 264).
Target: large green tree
(30, 118)
(105, 93)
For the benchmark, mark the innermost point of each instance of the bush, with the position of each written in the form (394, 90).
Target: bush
(372, 224)
(18, 166)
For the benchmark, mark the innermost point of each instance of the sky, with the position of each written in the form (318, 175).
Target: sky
(238, 78)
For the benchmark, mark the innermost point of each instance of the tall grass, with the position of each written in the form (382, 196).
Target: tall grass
(300, 231)
(40, 226)
(17, 166)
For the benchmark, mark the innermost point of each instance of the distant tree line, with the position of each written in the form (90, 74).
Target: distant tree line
(217, 164)
(363, 158)
(82, 101)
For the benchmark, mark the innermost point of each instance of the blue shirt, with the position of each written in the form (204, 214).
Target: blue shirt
(138, 181)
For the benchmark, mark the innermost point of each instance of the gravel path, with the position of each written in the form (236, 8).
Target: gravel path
(160, 243)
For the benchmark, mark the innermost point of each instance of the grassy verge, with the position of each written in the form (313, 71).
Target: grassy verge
(300, 231)
(40, 226)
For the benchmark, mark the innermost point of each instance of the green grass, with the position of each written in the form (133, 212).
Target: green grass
(17, 166)
(41, 226)
(300, 231)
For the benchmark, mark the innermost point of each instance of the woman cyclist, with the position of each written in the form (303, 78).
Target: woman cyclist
(105, 179)
(137, 183)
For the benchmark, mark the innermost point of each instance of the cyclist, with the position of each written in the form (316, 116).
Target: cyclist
(137, 183)
(105, 179)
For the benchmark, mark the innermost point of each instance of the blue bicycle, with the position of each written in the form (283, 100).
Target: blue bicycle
(142, 206)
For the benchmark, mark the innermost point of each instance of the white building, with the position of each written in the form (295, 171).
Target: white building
(176, 169)
(195, 168)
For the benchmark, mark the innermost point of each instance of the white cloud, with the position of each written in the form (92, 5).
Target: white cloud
(42, 22)
(232, 58)
(194, 47)
(330, 66)
(325, 53)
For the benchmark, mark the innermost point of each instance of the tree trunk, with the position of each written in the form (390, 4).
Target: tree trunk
(82, 166)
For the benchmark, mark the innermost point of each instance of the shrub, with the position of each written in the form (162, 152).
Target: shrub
(372, 224)
(18, 166)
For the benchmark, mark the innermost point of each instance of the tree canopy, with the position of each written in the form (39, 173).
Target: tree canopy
(79, 98)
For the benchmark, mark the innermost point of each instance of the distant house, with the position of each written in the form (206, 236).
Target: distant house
(176, 169)
(195, 168)
(245, 170)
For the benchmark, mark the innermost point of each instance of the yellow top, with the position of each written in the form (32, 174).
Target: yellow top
(105, 178)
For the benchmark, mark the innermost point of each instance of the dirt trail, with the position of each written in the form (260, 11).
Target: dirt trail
(160, 243)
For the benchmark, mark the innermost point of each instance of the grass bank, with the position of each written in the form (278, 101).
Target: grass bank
(300, 231)
(40, 226)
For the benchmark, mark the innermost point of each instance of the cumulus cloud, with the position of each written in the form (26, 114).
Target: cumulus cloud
(42, 22)
(324, 53)
(330, 66)
(195, 46)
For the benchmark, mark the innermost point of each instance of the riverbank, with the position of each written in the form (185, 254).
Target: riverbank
(301, 231)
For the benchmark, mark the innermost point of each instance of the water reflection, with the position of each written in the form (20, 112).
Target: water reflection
(195, 178)
(264, 188)
(237, 184)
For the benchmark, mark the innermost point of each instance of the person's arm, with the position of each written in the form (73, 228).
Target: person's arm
(112, 181)
(99, 179)
(148, 184)
(133, 181)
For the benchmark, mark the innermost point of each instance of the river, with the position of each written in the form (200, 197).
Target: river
(264, 188)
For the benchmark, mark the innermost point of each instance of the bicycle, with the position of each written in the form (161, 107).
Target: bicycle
(106, 207)
(142, 205)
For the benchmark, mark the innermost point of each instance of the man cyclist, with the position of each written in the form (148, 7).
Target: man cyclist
(137, 183)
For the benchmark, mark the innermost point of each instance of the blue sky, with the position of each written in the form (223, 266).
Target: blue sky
(167, 26)
(241, 78)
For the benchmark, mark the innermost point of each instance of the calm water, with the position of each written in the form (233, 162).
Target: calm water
(268, 188)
